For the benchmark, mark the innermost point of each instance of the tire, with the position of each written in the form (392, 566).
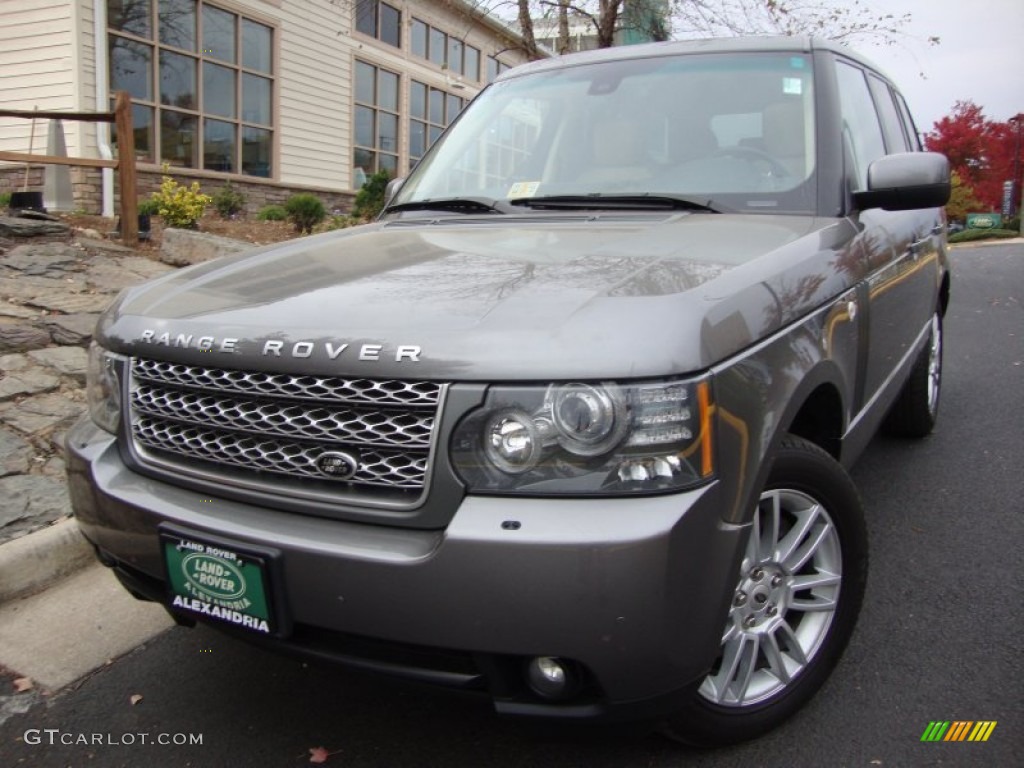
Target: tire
(917, 407)
(800, 588)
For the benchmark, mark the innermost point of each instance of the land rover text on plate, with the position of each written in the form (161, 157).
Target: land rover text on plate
(568, 424)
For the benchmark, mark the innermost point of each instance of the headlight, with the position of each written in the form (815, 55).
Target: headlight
(103, 387)
(587, 438)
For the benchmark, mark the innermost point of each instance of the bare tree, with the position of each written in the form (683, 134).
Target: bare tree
(845, 21)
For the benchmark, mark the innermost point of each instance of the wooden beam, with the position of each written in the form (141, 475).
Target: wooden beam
(84, 162)
(88, 117)
(126, 168)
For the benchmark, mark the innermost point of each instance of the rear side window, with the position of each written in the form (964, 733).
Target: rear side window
(892, 125)
(908, 123)
(861, 129)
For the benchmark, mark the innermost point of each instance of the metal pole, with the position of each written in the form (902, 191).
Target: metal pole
(1018, 120)
(1016, 176)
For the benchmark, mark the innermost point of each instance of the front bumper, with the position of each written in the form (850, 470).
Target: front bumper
(635, 591)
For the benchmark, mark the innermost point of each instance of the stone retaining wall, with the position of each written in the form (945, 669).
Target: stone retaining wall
(87, 189)
(52, 289)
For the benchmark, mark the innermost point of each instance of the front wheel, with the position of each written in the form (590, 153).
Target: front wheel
(797, 598)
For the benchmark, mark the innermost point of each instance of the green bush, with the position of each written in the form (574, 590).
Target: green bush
(5, 199)
(970, 235)
(305, 211)
(1012, 223)
(228, 201)
(370, 199)
(272, 213)
(148, 207)
(180, 206)
(339, 222)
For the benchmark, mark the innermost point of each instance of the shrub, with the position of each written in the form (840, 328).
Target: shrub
(970, 235)
(305, 211)
(228, 201)
(148, 207)
(5, 199)
(272, 213)
(339, 222)
(370, 199)
(180, 206)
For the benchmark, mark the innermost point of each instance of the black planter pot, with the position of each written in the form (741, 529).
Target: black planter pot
(145, 226)
(27, 201)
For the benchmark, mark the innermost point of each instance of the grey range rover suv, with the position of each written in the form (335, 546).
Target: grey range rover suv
(568, 425)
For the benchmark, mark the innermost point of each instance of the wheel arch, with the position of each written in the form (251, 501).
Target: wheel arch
(815, 409)
(944, 291)
(820, 419)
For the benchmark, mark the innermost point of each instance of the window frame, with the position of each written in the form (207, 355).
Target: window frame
(152, 114)
(439, 46)
(377, 109)
(360, 10)
(426, 119)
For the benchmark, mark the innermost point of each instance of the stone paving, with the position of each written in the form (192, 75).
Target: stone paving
(52, 288)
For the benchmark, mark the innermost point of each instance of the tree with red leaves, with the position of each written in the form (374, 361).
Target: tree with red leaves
(984, 153)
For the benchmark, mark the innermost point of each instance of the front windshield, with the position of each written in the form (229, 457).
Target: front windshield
(735, 129)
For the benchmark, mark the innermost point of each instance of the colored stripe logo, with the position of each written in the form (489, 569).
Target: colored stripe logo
(959, 730)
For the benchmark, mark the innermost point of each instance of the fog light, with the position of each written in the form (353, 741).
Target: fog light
(552, 678)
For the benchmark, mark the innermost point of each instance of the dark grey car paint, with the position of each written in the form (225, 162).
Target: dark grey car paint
(490, 300)
(782, 310)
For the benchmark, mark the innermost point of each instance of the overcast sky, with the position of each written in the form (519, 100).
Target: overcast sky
(980, 57)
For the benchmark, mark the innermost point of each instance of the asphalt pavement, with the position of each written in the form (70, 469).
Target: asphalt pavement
(937, 639)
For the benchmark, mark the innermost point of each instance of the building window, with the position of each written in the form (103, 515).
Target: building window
(420, 33)
(430, 112)
(379, 20)
(444, 50)
(376, 120)
(494, 68)
(201, 80)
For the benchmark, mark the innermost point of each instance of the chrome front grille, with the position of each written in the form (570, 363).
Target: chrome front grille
(257, 428)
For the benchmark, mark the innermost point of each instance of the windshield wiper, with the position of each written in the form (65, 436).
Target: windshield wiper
(457, 204)
(604, 201)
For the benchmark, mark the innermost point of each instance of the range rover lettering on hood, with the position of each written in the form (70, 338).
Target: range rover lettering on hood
(277, 348)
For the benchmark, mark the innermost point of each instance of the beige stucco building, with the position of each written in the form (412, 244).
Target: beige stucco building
(274, 95)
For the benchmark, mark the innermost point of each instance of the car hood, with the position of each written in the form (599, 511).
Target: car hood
(491, 297)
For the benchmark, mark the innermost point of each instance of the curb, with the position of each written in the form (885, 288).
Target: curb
(31, 563)
(994, 241)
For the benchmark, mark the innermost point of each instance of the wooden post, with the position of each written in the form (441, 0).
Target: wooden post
(126, 168)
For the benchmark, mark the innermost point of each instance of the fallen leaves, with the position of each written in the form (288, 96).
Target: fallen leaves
(22, 684)
(318, 755)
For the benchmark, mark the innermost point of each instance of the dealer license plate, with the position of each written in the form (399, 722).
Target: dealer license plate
(219, 582)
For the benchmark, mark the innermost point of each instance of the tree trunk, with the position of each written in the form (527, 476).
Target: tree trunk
(607, 22)
(526, 31)
(563, 26)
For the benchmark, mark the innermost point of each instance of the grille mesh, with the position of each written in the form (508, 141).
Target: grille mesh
(284, 385)
(228, 420)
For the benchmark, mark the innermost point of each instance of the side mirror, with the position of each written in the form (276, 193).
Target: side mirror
(392, 189)
(905, 182)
